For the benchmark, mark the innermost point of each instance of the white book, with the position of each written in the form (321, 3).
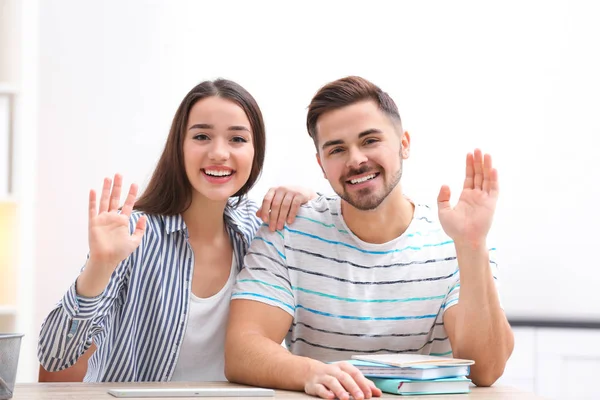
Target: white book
(415, 372)
(408, 360)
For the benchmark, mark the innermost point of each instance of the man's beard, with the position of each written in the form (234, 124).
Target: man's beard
(368, 199)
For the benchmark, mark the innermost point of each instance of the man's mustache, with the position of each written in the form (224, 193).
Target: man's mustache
(362, 170)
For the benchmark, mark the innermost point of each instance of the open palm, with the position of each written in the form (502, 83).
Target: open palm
(108, 234)
(471, 219)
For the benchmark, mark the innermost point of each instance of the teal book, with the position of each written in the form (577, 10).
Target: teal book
(411, 387)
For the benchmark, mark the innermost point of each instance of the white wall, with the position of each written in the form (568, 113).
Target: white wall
(18, 75)
(519, 79)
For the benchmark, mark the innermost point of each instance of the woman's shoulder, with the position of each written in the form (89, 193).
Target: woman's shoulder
(242, 215)
(242, 210)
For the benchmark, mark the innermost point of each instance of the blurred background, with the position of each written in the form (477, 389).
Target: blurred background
(89, 88)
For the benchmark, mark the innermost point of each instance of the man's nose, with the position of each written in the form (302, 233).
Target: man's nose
(356, 158)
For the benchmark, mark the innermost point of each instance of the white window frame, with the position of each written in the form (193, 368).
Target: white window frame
(7, 165)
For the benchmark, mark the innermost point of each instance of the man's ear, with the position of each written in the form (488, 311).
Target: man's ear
(320, 165)
(405, 142)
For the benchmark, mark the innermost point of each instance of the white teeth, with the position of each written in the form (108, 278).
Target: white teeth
(217, 173)
(363, 179)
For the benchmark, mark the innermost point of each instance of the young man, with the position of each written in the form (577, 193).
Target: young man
(368, 271)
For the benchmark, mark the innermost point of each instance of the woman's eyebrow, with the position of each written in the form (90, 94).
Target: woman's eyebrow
(201, 126)
(238, 128)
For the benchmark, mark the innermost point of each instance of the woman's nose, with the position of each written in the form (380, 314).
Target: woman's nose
(218, 151)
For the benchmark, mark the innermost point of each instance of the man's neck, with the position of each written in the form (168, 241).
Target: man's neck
(385, 223)
(204, 220)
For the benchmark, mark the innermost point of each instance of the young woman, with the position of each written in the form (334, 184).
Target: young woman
(154, 293)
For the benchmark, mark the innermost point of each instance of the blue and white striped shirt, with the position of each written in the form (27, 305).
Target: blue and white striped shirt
(138, 322)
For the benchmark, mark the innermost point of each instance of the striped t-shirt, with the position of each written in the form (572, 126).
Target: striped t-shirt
(347, 296)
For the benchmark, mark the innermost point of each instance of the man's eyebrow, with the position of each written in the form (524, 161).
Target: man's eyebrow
(330, 143)
(369, 132)
(360, 135)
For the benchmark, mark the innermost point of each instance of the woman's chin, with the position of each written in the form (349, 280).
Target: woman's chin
(216, 195)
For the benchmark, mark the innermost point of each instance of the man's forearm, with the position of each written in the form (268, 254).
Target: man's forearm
(482, 331)
(258, 361)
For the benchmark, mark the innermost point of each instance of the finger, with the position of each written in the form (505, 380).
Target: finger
(296, 203)
(92, 207)
(363, 385)
(336, 387)
(130, 200)
(322, 391)
(266, 205)
(115, 195)
(284, 210)
(140, 228)
(359, 378)
(443, 198)
(478, 168)
(104, 198)
(275, 209)
(487, 166)
(350, 385)
(374, 389)
(494, 184)
(469, 175)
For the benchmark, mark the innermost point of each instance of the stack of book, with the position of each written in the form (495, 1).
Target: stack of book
(411, 374)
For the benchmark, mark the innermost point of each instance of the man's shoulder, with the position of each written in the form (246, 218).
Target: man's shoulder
(426, 224)
(316, 218)
(322, 208)
(427, 213)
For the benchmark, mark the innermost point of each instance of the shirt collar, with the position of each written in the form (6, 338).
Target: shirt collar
(173, 223)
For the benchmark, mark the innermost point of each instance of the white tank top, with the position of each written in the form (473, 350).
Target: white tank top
(202, 351)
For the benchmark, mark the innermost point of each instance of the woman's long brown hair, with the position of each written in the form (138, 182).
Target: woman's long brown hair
(169, 191)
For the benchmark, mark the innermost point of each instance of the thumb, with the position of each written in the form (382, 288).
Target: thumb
(140, 227)
(444, 198)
